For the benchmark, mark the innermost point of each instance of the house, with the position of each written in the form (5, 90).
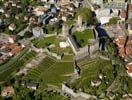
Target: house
(122, 52)
(44, 0)
(95, 83)
(12, 38)
(127, 97)
(111, 95)
(12, 27)
(54, 10)
(103, 15)
(53, 1)
(129, 11)
(116, 4)
(2, 10)
(116, 31)
(98, 2)
(22, 83)
(120, 42)
(14, 49)
(64, 44)
(7, 91)
(123, 15)
(38, 31)
(40, 10)
(32, 85)
(129, 69)
(129, 26)
(47, 19)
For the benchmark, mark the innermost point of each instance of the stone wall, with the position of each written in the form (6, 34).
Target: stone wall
(74, 94)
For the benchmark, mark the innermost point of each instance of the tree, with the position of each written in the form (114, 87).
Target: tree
(28, 35)
(113, 21)
(87, 15)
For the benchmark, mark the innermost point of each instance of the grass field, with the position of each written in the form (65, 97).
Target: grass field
(90, 72)
(41, 43)
(67, 58)
(58, 50)
(52, 40)
(82, 37)
(53, 97)
(50, 72)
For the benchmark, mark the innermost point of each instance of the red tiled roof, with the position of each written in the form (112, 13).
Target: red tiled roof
(16, 50)
(8, 90)
(120, 42)
(11, 46)
(123, 14)
(130, 7)
(129, 50)
(129, 42)
(129, 67)
(122, 52)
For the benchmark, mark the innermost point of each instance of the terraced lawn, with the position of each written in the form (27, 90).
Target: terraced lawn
(41, 43)
(6, 70)
(50, 72)
(82, 37)
(90, 71)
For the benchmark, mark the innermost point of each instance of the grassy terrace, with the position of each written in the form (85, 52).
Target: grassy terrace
(52, 40)
(50, 72)
(82, 37)
(6, 70)
(48, 96)
(67, 58)
(90, 71)
(41, 43)
(59, 50)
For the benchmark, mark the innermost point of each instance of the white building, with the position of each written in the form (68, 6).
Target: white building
(129, 69)
(65, 30)
(98, 2)
(12, 27)
(103, 15)
(79, 21)
(38, 31)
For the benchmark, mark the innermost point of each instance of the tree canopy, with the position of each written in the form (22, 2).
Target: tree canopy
(87, 15)
(113, 20)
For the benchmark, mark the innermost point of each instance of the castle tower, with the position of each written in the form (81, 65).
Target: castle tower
(65, 30)
(79, 21)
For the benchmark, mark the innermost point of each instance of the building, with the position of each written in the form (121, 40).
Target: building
(79, 21)
(123, 15)
(96, 83)
(7, 91)
(12, 27)
(39, 10)
(65, 30)
(47, 19)
(103, 15)
(38, 31)
(129, 27)
(32, 85)
(116, 4)
(98, 2)
(129, 69)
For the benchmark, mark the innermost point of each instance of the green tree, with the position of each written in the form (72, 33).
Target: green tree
(113, 21)
(87, 15)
